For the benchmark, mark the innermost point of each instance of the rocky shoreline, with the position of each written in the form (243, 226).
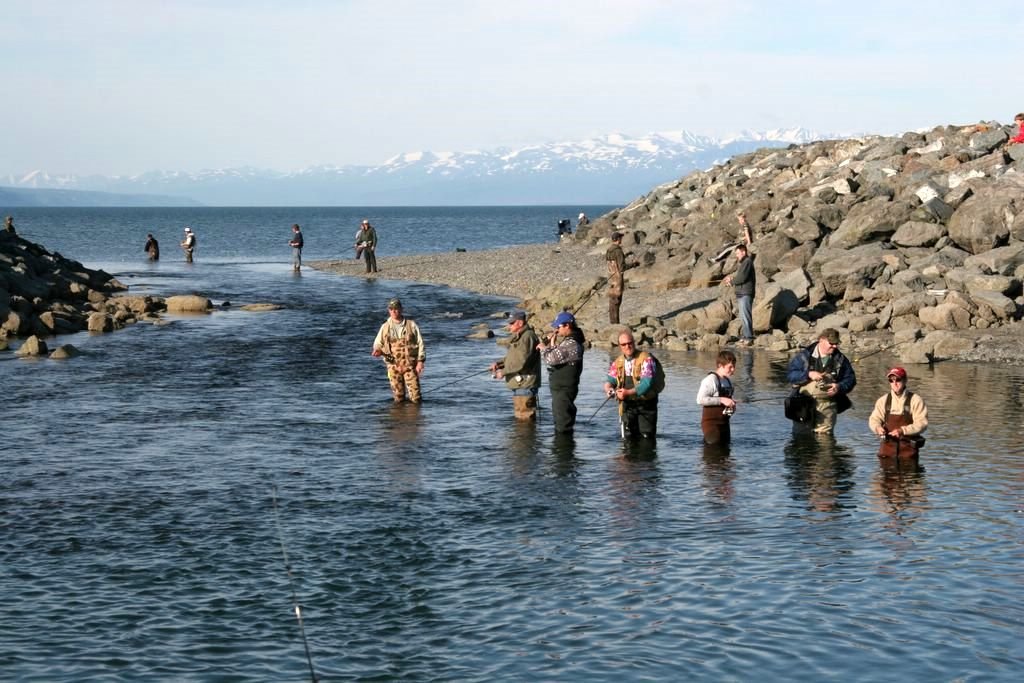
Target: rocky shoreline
(912, 244)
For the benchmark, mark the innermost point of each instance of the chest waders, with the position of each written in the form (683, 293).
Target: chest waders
(714, 421)
(904, 446)
(615, 286)
(401, 366)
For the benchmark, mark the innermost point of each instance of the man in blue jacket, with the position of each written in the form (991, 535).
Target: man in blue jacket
(822, 372)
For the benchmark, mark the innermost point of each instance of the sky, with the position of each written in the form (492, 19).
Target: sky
(119, 87)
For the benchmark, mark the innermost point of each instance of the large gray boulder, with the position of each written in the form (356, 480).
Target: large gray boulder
(188, 303)
(918, 234)
(869, 221)
(980, 223)
(32, 346)
(998, 261)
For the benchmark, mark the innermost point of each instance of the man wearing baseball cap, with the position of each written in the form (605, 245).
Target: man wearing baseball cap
(189, 244)
(520, 368)
(400, 343)
(822, 372)
(617, 266)
(898, 418)
(562, 352)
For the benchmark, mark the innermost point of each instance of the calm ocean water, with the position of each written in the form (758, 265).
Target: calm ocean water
(138, 539)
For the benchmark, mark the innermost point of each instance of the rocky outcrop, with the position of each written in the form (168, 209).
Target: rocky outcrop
(883, 235)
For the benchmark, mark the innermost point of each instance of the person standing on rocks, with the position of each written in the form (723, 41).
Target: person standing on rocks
(898, 418)
(744, 281)
(189, 244)
(366, 243)
(582, 221)
(632, 380)
(9, 226)
(152, 247)
(400, 344)
(822, 372)
(716, 401)
(617, 266)
(296, 243)
(563, 354)
(520, 368)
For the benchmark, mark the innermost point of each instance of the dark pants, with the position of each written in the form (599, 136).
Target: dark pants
(613, 309)
(370, 256)
(563, 408)
(641, 417)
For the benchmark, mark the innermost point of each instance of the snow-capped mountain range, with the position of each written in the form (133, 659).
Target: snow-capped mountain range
(609, 169)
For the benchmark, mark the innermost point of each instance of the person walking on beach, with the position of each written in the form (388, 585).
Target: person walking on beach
(563, 354)
(366, 244)
(822, 372)
(520, 368)
(9, 226)
(189, 244)
(296, 244)
(152, 247)
(632, 379)
(744, 281)
(617, 265)
(716, 401)
(898, 418)
(400, 344)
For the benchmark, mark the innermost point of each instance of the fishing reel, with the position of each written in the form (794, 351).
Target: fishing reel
(728, 410)
(826, 381)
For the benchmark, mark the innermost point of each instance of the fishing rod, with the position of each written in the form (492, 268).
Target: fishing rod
(456, 381)
(578, 306)
(599, 408)
(291, 584)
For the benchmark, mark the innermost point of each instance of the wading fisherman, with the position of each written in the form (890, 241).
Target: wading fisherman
(366, 244)
(563, 354)
(296, 243)
(521, 367)
(822, 372)
(400, 344)
(189, 244)
(898, 418)
(616, 260)
(715, 397)
(152, 247)
(632, 380)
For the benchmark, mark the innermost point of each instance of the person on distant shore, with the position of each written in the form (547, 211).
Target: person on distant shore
(744, 281)
(189, 244)
(631, 380)
(400, 344)
(9, 226)
(563, 354)
(1019, 120)
(898, 418)
(617, 265)
(822, 372)
(716, 401)
(296, 244)
(152, 247)
(520, 368)
(582, 221)
(366, 244)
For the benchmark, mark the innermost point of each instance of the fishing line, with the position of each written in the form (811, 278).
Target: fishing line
(455, 381)
(291, 583)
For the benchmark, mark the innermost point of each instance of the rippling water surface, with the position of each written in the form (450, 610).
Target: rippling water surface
(138, 538)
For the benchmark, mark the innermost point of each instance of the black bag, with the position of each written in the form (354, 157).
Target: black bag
(800, 407)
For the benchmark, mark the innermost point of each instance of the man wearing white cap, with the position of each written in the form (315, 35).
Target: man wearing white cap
(898, 418)
(189, 244)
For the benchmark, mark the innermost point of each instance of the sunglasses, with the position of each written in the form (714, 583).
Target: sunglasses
(627, 344)
(896, 380)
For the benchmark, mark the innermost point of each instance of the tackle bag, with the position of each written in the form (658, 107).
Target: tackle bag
(799, 407)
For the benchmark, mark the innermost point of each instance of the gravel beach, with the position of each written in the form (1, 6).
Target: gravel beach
(510, 271)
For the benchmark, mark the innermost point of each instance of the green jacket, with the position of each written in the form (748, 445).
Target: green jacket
(522, 361)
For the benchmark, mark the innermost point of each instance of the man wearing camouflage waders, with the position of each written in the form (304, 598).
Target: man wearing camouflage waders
(400, 344)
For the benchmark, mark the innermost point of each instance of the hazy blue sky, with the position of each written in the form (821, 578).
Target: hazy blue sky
(124, 86)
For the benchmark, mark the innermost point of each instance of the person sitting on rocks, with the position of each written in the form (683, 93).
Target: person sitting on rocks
(898, 418)
(1019, 120)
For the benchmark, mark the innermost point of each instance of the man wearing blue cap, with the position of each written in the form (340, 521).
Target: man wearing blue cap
(520, 368)
(563, 354)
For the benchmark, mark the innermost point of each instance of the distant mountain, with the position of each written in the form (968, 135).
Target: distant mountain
(610, 169)
(17, 197)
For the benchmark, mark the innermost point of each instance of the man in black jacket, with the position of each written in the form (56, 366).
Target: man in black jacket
(744, 280)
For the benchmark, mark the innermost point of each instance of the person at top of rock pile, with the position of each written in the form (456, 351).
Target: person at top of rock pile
(1019, 120)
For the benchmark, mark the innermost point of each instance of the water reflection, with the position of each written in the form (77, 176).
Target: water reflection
(563, 455)
(819, 470)
(899, 489)
(719, 474)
